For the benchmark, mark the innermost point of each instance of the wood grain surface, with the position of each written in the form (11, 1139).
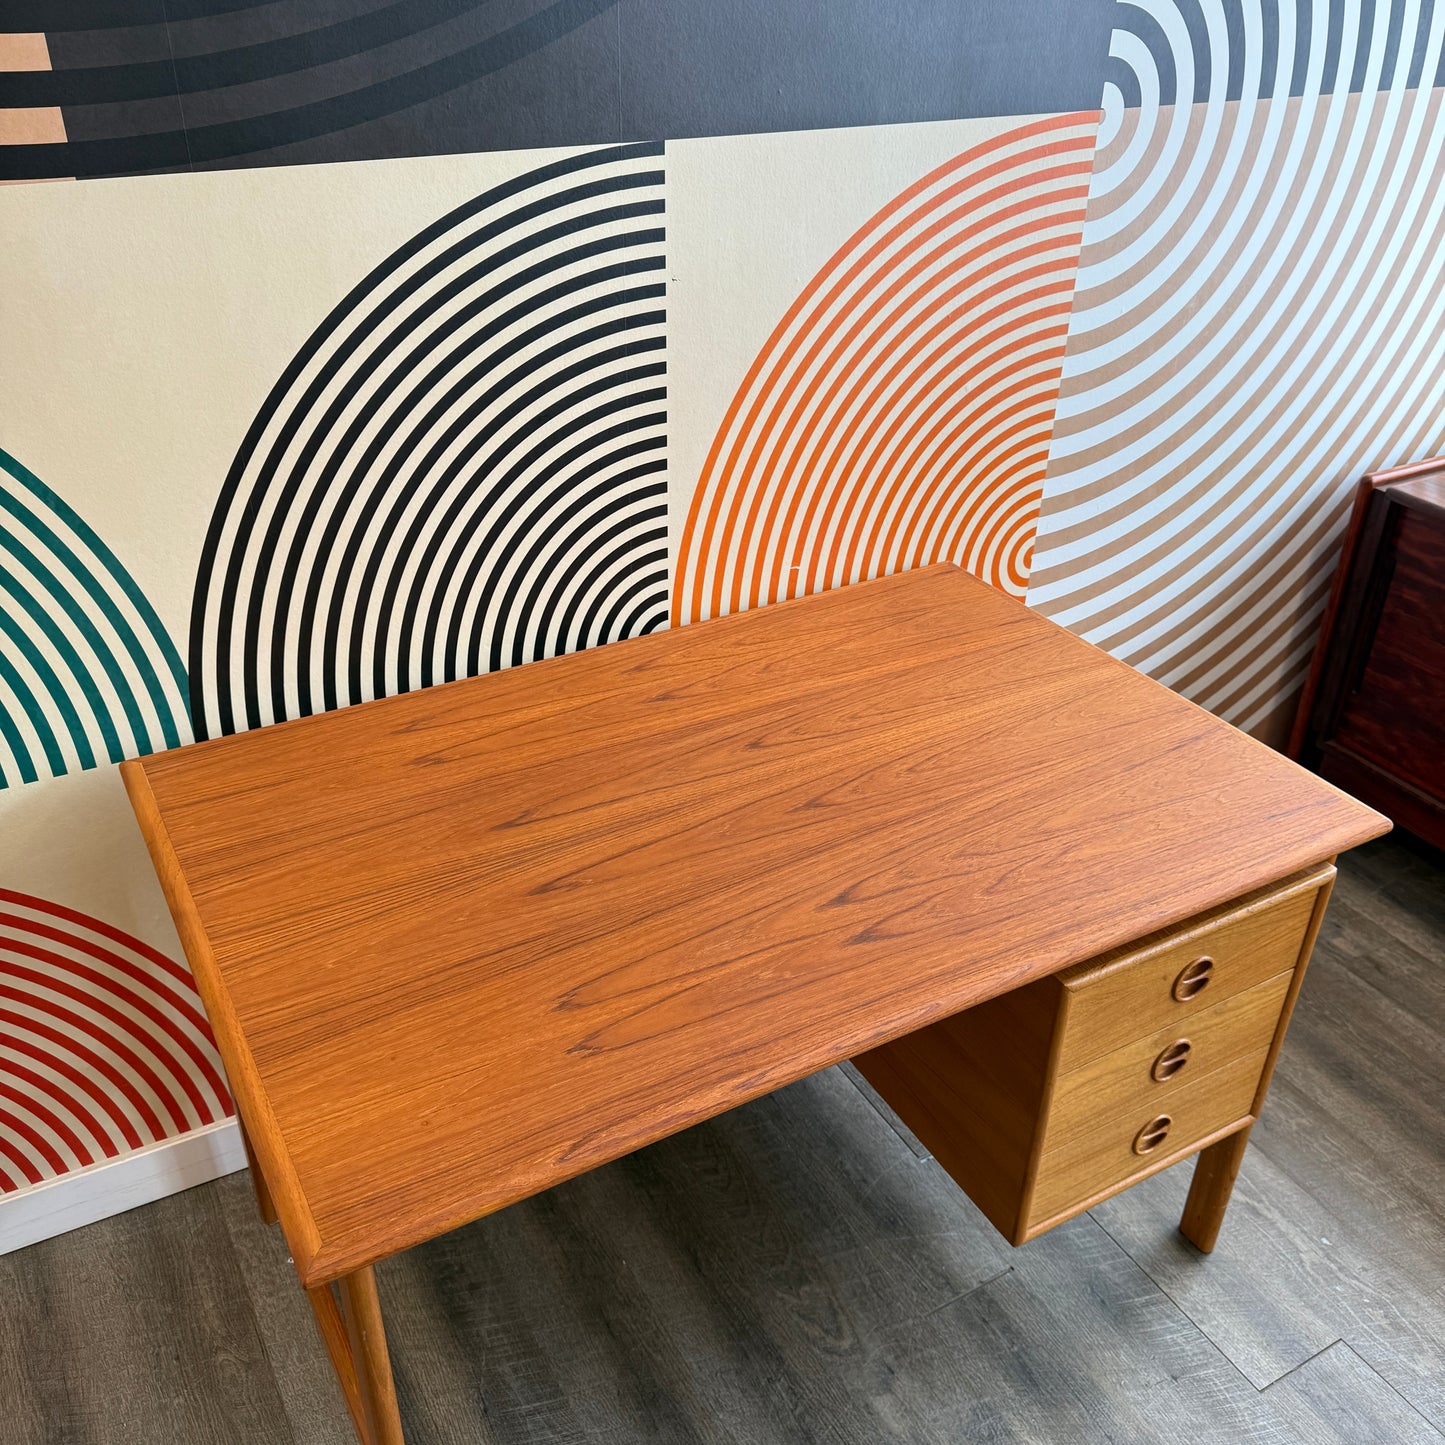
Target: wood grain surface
(1077, 1166)
(1036, 1125)
(972, 1089)
(463, 944)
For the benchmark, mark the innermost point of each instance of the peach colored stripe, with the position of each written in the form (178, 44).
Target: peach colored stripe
(24, 50)
(37, 125)
(1111, 154)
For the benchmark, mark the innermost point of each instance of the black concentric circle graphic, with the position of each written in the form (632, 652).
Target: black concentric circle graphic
(464, 467)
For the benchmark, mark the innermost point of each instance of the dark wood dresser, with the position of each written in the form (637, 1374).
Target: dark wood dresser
(1372, 718)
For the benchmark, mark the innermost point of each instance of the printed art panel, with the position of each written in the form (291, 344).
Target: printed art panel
(333, 433)
(356, 429)
(463, 466)
(104, 1045)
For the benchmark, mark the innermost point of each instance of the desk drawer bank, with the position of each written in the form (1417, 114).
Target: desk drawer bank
(463, 944)
(1045, 1101)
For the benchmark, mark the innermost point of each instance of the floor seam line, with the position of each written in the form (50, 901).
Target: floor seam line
(1404, 1399)
(1203, 1333)
(1263, 1389)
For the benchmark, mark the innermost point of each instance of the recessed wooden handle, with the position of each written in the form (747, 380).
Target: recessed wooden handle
(1171, 1060)
(1153, 1134)
(1194, 979)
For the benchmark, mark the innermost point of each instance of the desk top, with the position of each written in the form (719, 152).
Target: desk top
(463, 944)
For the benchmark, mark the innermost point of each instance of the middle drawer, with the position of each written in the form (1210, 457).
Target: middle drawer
(1147, 1072)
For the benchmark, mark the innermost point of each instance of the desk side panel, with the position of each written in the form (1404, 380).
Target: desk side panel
(971, 1089)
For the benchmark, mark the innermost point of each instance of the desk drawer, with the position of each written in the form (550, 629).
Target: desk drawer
(1167, 981)
(1111, 1148)
(1145, 1074)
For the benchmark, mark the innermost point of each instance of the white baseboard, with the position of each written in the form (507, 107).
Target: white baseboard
(111, 1187)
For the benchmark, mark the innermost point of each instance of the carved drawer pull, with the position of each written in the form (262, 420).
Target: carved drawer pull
(1194, 979)
(1152, 1135)
(1171, 1060)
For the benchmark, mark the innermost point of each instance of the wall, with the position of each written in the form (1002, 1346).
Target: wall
(369, 345)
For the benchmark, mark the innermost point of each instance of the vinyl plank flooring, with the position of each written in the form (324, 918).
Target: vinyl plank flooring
(809, 1227)
(1354, 1112)
(138, 1328)
(529, 1321)
(1394, 1353)
(1074, 1343)
(311, 1398)
(876, 1099)
(1288, 1279)
(790, 1273)
(679, 1294)
(1335, 1398)
(1263, 1296)
(1400, 883)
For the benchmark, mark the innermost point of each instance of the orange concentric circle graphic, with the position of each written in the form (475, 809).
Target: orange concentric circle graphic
(901, 411)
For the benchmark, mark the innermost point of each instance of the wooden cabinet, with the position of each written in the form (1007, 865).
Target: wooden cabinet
(1046, 1100)
(1372, 719)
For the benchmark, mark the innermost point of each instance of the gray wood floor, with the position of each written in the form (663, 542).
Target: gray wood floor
(800, 1270)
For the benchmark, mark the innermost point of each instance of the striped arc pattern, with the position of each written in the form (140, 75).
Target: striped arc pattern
(463, 468)
(1260, 317)
(104, 1047)
(190, 83)
(87, 672)
(899, 414)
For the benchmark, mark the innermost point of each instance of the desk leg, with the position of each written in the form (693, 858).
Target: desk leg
(1218, 1165)
(355, 1340)
(338, 1346)
(1214, 1176)
(264, 1203)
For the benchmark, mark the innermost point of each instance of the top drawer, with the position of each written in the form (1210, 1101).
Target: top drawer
(1177, 972)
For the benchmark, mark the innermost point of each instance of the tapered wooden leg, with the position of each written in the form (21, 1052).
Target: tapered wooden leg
(338, 1346)
(1214, 1177)
(1218, 1165)
(350, 1323)
(361, 1309)
(264, 1203)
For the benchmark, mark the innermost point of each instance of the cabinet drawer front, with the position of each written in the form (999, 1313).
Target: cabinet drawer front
(1171, 980)
(1146, 1074)
(1077, 1168)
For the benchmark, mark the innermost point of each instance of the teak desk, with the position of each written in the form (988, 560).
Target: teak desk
(463, 944)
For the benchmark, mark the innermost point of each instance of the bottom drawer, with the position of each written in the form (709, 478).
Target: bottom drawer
(1075, 1168)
